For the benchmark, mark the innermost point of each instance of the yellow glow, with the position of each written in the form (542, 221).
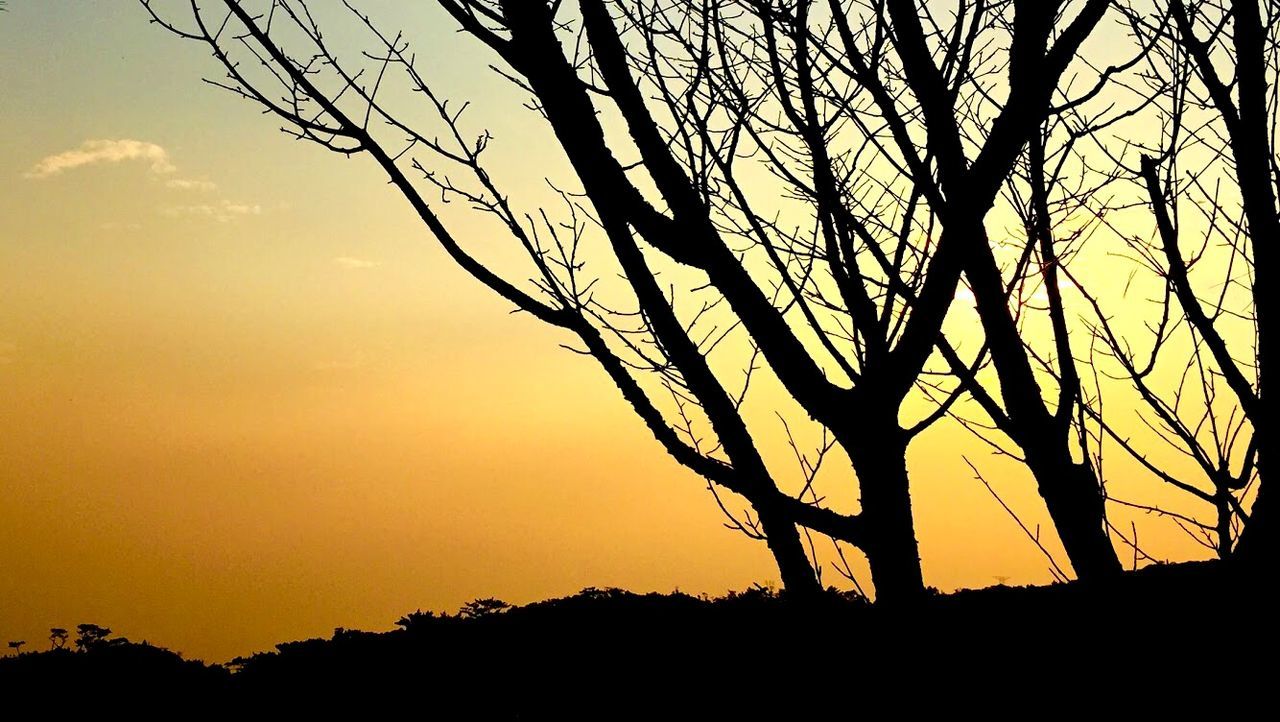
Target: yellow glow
(260, 404)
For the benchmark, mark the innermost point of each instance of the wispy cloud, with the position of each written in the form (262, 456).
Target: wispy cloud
(93, 152)
(187, 184)
(355, 263)
(223, 212)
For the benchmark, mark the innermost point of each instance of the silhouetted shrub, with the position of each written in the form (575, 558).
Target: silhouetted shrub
(419, 620)
(486, 607)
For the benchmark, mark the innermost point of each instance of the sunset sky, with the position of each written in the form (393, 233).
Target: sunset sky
(244, 397)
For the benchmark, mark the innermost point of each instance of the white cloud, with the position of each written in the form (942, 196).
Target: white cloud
(92, 152)
(241, 209)
(355, 263)
(185, 184)
(223, 212)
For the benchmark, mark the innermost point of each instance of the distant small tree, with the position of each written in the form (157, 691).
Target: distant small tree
(416, 620)
(606, 593)
(16, 646)
(57, 638)
(483, 608)
(91, 636)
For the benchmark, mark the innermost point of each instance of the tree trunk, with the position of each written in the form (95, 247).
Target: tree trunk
(1257, 545)
(880, 461)
(1071, 491)
(1222, 501)
(1078, 509)
(783, 538)
(1253, 149)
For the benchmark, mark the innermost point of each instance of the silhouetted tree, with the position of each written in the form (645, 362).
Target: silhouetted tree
(1042, 403)
(967, 186)
(483, 608)
(57, 638)
(17, 646)
(418, 620)
(91, 636)
(1209, 179)
(836, 265)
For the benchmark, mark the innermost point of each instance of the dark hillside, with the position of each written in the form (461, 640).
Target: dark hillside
(1161, 628)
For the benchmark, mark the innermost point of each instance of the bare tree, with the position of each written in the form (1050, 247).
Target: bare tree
(1043, 401)
(836, 265)
(1044, 426)
(628, 343)
(1246, 104)
(973, 145)
(1209, 181)
(1006, 153)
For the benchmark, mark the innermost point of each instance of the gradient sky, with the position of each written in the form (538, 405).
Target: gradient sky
(245, 399)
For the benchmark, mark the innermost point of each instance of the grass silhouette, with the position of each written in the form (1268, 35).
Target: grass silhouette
(674, 656)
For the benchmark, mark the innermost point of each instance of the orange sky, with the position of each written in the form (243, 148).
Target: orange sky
(244, 399)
